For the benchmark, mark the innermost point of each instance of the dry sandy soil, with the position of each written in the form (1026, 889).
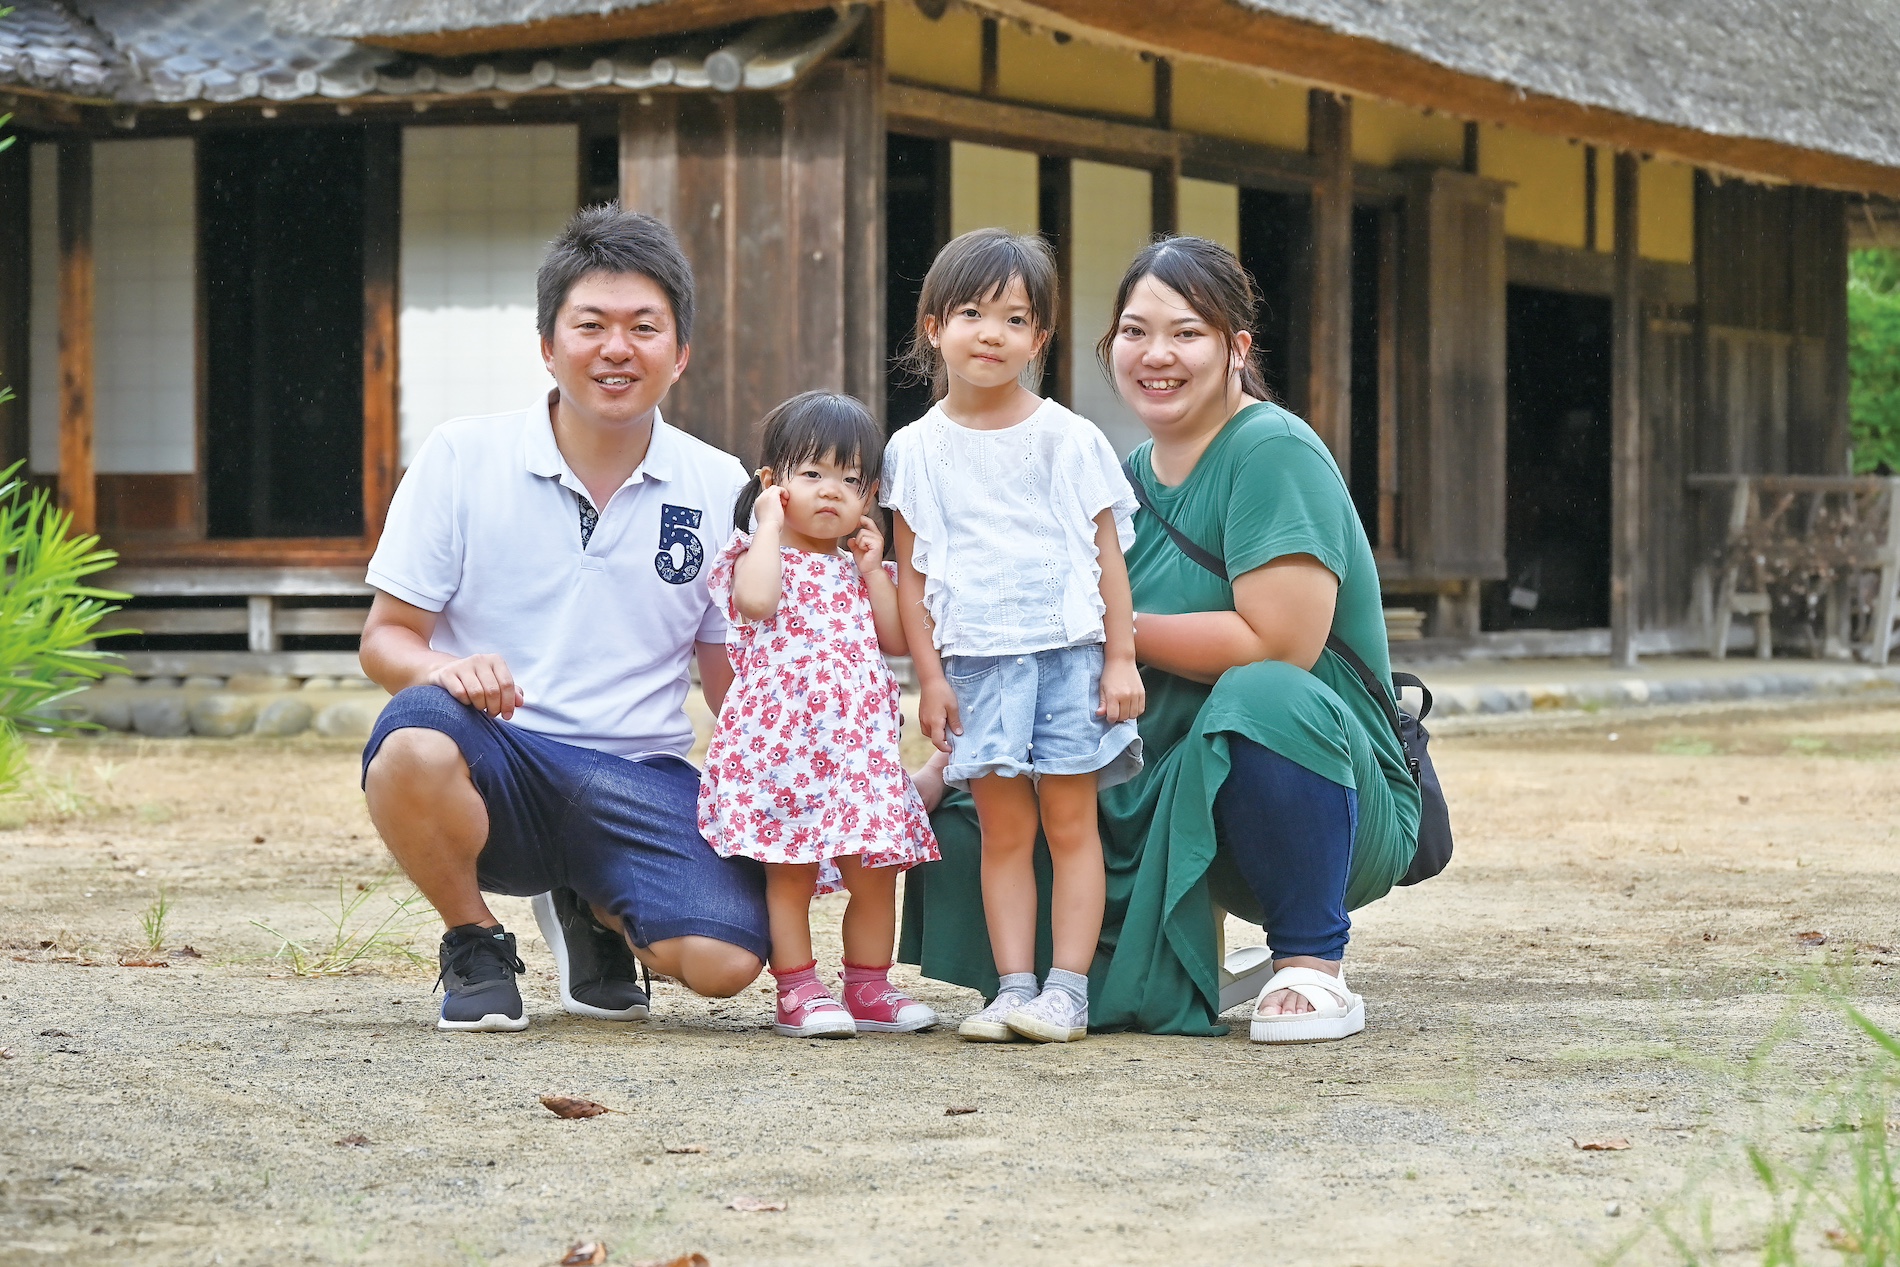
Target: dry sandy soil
(1609, 957)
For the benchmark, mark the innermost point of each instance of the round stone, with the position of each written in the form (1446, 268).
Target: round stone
(221, 716)
(282, 718)
(162, 717)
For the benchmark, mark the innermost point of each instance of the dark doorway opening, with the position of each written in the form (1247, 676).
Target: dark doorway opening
(1368, 245)
(281, 224)
(916, 225)
(1557, 463)
(1274, 239)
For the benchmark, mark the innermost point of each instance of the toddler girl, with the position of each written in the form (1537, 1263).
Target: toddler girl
(1011, 517)
(803, 772)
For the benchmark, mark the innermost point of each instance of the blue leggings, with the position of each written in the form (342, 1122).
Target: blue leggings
(1290, 833)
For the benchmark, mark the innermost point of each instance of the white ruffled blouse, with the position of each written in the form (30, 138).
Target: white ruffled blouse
(1005, 524)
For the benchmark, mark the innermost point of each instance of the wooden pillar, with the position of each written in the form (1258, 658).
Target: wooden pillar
(1055, 208)
(1329, 368)
(1626, 421)
(382, 233)
(1164, 201)
(77, 491)
(16, 270)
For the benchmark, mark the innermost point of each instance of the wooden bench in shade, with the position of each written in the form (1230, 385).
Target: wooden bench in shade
(1845, 526)
(264, 620)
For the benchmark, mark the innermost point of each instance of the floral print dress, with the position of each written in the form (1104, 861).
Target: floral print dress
(803, 765)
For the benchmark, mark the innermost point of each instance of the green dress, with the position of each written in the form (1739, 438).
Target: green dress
(1265, 488)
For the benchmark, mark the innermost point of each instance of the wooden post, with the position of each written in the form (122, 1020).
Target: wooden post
(1329, 369)
(382, 232)
(1055, 214)
(1626, 420)
(1164, 199)
(77, 491)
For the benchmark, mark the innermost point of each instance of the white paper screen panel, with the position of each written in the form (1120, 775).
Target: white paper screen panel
(144, 234)
(1112, 214)
(479, 207)
(993, 188)
(1210, 210)
(42, 406)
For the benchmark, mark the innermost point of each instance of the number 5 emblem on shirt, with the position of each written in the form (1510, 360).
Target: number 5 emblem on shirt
(676, 525)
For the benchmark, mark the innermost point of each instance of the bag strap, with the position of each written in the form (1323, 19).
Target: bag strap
(1334, 643)
(1186, 544)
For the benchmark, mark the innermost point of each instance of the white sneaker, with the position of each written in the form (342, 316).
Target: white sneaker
(991, 1025)
(1051, 1017)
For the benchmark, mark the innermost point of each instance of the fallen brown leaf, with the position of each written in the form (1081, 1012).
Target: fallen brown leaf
(186, 952)
(1601, 1145)
(694, 1259)
(1845, 1242)
(1811, 938)
(6, 1053)
(958, 1110)
(54, 1033)
(685, 1148)
(257, 840)
(355, 1139)
(754, 1205)
(144, 963)
(572, 1106)
(584, 1254)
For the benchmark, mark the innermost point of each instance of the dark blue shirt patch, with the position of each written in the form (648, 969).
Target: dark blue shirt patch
(676, 530)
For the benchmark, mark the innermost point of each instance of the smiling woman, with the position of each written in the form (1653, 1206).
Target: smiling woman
(1273, 784)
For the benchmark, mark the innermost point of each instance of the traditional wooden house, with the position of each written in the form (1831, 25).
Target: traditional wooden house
(1528, 267)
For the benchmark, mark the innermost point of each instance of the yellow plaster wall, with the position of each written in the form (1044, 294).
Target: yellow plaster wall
(1384, 135)
(1211, 210)
(947, 52)
(993, 187)
(1545, 199)
(1031, 66)
(1216, 100)
(1665, 212)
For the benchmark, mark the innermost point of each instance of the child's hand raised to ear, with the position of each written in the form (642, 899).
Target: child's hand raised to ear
(868, 545)
(769, 510)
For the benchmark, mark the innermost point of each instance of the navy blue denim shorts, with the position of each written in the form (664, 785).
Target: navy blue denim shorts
(620, 833)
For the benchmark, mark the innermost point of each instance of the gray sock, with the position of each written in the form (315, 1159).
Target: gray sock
(1073, 984)
(1017, 983)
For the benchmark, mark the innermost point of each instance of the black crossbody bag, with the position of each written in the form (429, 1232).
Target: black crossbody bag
(1434, 819)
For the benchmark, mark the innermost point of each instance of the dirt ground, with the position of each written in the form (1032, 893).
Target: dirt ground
(1621, 930)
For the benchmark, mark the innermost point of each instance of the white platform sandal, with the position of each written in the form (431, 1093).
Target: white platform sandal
(1242, 974)
(1337, 1011)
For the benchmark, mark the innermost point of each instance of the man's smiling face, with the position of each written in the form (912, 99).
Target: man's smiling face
(615, 349)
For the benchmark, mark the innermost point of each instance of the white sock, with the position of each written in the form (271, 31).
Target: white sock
(1016, 983)
(1073, 984)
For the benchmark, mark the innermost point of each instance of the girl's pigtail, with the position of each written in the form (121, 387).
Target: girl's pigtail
(748, 498)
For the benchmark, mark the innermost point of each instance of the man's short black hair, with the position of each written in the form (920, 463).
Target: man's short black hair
(605, 239)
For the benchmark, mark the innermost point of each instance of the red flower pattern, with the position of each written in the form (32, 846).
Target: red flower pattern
(804, 764)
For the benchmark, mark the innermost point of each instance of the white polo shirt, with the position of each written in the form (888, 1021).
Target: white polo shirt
(485, 529)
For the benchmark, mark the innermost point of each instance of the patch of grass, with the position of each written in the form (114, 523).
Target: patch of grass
(357, 937)
(153, 920)
(1686, 746)
(1837, 1202)
(1808, 744)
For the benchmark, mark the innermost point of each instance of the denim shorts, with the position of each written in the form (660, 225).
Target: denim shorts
(1035, 714)
(622, 834)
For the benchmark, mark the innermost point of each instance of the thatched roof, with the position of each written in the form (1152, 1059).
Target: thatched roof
(1819, 74)
(221, 51)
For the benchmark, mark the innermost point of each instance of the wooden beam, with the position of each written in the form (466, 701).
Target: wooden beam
(921, 111)
(1626, 420)
(77, 494)
(1307, 51)
(382, 236)
(1389, 543)
(1329, 367)
(629, 23)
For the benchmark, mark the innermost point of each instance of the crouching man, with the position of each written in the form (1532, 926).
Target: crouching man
(541, 588)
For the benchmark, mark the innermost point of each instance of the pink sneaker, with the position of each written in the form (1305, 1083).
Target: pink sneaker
(807, 1010)
(879, 1007)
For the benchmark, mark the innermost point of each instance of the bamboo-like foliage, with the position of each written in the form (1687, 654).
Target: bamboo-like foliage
(48, 616)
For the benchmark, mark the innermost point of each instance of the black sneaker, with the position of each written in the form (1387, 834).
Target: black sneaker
(598, 970)
(478, 973)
